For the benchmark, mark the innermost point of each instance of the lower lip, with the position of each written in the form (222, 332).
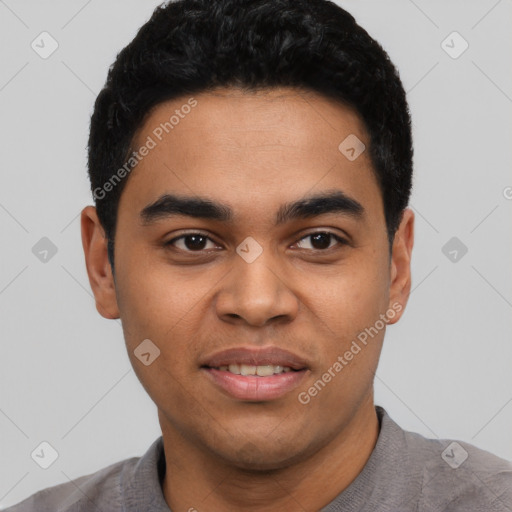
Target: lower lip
(251, 387)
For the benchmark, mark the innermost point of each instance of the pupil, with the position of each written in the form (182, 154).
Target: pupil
(195, 242)
(321, 240)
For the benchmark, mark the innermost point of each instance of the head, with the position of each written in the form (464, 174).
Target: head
(223, 129)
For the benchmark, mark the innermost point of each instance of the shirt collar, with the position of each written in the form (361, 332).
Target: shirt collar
(141, 486)
(381, 471)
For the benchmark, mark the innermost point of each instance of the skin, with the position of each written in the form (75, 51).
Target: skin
(254, 152)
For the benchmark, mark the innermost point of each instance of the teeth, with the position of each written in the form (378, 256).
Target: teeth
(234, 368)
(249, 369)
(265, 371)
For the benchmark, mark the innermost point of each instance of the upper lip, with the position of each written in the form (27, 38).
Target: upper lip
(256, 357)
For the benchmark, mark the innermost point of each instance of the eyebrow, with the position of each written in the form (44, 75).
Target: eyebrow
(170, 205)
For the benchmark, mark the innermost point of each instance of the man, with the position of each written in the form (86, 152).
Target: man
(251, 164)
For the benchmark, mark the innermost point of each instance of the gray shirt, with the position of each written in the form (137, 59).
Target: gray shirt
(406, 472)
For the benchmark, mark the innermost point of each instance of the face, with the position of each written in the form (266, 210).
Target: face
(282, 263)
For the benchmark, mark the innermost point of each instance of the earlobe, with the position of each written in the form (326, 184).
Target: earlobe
(400, 277)
(98, 266)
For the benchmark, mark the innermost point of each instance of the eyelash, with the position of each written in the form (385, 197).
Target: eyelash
(341, 241)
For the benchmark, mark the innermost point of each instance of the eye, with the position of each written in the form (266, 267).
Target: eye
(197, 242)
(191, 242)
(320, 241)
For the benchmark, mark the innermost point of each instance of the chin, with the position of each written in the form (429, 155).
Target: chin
(261, 457)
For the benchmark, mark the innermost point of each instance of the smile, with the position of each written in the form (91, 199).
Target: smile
(261, 371)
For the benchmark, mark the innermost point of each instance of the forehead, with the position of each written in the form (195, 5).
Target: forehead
(250, 147)
(230, 114)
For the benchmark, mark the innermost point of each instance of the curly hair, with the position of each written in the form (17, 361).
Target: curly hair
(193, 46)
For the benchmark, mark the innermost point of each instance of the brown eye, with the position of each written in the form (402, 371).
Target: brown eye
(320, 241)
(193, 242)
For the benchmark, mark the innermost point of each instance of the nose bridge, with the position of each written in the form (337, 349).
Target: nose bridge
(255, 290)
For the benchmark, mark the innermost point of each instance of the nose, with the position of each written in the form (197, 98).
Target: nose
(256, 293)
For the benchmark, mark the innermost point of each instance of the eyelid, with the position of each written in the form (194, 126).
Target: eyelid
(190, 233)
(340, 239)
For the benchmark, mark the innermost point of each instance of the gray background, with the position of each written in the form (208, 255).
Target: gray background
(65, 376)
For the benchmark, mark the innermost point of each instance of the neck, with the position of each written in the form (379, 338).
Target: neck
(195, 479)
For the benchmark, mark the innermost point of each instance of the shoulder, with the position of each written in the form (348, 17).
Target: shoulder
(458, 476)
(100, 490)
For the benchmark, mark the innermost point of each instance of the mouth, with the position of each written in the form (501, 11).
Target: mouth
(255, 375)
(261, 370)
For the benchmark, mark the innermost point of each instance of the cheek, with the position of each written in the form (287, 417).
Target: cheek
(353, 297)
(352, 331)
(152, 298)
(157, 308)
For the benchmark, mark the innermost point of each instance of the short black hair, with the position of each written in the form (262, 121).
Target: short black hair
(193, 46)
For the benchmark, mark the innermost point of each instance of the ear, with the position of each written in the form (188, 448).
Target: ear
(400, 286)
(99, 270)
